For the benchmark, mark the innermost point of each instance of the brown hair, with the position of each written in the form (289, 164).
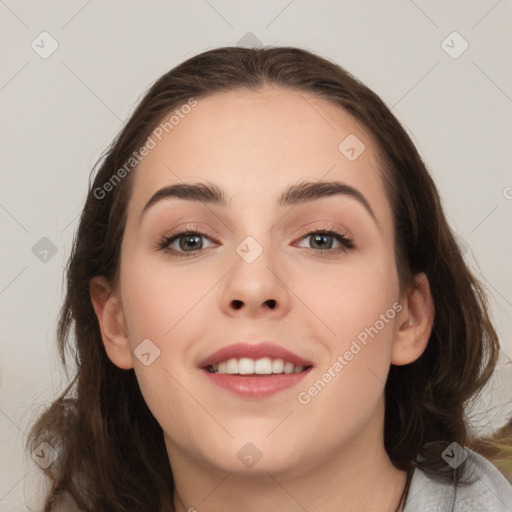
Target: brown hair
(111, 449)
(497, 448)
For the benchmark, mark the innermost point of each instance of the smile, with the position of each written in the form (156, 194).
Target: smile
(248, 366)
(254, 371)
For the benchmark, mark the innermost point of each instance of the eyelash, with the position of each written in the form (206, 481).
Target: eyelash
(347, 243)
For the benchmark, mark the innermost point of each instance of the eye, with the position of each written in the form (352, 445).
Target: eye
(323, 240)
(183, 243)
(189, 242)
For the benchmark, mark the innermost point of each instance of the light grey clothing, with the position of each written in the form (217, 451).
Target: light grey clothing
(490, 491)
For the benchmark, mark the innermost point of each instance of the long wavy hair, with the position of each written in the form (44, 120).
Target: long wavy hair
(111, 451)
(497, 448)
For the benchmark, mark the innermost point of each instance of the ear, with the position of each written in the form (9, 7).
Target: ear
(112, 322)
(414, 322)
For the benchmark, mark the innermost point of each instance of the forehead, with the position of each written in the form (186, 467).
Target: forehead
(256, 143)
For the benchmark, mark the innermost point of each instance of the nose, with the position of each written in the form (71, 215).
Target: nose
(256, 289)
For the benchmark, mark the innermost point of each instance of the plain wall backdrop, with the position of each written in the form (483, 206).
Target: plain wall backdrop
(73, 72)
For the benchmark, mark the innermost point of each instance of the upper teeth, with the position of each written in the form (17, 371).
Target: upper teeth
(263, 366)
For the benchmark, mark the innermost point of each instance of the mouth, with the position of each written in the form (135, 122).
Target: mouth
(249, 367)
(255, 371)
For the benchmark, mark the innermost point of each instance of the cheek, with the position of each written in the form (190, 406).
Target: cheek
(157, 298)
(357, 305)
(159, 305)
(349, 384)
(351, 297)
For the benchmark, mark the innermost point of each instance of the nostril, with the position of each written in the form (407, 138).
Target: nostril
(237, 304)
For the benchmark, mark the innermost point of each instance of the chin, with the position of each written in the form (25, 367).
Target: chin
(256, 452)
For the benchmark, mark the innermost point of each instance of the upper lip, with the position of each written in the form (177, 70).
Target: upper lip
(253, 351)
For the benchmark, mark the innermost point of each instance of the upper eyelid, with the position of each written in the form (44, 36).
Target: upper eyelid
(306, 231)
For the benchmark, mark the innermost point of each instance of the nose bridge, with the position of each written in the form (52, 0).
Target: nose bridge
(254, 283)
(256, 235)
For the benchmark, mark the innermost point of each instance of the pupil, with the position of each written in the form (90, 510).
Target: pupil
(195, 240)
(318, 238)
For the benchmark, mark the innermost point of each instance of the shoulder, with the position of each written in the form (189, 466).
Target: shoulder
(489, 490)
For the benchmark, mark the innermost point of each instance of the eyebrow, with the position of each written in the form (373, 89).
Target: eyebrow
(295, 194)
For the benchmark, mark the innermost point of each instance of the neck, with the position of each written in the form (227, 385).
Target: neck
(357, 476)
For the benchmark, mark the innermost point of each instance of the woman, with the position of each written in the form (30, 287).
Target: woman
(270, 309)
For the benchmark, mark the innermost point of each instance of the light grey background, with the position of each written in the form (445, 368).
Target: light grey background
(60, 112)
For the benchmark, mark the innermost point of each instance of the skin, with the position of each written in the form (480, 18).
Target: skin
(325, 455)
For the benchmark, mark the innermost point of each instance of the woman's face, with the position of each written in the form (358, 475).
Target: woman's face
(256, 275)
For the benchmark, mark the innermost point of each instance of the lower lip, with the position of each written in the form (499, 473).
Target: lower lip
(256, 387)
